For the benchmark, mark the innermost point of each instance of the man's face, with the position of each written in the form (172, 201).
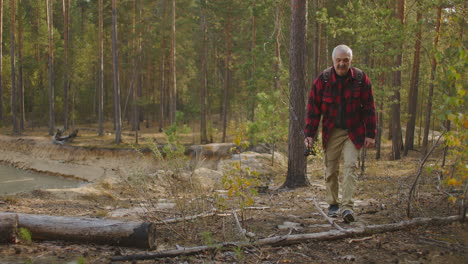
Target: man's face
(342, 62)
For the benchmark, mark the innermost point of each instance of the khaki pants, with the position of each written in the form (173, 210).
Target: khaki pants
(338, 143)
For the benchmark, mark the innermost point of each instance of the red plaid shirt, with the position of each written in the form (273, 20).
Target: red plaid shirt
(325, 98)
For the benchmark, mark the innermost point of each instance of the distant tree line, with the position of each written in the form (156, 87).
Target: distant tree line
(220, 63)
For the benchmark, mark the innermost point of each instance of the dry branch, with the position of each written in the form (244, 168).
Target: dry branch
(420, 169)
(299, 238)
(326, 216)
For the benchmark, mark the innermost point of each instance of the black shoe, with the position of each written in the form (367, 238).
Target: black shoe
(333, 210)
(348, 216)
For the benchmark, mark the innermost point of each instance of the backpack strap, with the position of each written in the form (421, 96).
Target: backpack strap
(326, 74)
(358, 75)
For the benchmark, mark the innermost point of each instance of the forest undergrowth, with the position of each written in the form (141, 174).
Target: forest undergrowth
(246, 207)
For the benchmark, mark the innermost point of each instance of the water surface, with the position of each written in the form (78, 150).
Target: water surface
(13, 180)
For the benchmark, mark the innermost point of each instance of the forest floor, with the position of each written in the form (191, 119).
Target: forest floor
(381, 198)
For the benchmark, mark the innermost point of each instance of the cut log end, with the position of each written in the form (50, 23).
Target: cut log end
(8, 228)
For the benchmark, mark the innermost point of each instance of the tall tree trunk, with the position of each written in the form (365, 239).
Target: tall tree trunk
(173, 103)
(162, 88)
(140, 63)
(1, 61)
(431, 85)
(296, 175)
(396, 122)
(413, 93)
(20, 70)
(204, 75)
(14, 108)
(378, 140)
(100, 72)
(133, 79)
(50, 23)
(252, 87)
(277, 65)
(66, 81)
(227, 75)
(117, 112)
(317, 37)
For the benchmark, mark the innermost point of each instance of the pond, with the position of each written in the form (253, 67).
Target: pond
(13, 180)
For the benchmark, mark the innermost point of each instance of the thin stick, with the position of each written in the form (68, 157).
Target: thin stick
(331, 221)
(420, 169)
(360, 239)
(241, 230)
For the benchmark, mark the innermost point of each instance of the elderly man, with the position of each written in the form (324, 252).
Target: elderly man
(343, 96)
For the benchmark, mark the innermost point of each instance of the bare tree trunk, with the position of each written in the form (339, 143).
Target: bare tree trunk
(378, 140)
(66, 82)
(204, 75)
(140, 64)
(431, 85)
(50, 23)
(173, 103)
(396, 122)
(14, 108)
(132, 89)
(162, 89)
(317, 36)
(1, 61)
(296, 175)
(117, 112)
(227, 75)
(277, 65)
(252, 87)
(413, 93)
(100, 72)
(20, 70)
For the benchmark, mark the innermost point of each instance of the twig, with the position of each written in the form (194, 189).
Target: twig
(326, 216)
(439, 184)
(444, 244)
(242, 230)
(179, 219)
(360, 239)
(420, 169)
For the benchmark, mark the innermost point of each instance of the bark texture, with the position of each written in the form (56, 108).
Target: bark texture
(8, 228)
(296, 176)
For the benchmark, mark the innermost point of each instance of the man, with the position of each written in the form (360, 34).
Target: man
(343, 96)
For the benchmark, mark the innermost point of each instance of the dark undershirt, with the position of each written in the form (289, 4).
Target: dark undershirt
(340, 121)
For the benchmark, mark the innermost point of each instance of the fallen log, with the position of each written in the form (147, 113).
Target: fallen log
(8, 228)
(299, 238)
(87, 230)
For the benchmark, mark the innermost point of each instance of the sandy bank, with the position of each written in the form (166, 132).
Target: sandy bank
(41, 155)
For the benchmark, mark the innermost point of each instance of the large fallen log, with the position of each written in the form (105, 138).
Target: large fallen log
(299, 238)
(8, 228)
(87, 230)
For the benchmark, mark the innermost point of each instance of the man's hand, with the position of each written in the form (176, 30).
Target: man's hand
(308, 142)
(369, 142)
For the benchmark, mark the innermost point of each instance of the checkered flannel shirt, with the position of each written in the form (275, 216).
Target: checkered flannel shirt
(324, 99)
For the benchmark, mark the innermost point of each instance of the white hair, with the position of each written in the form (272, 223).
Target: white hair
(344, 49)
